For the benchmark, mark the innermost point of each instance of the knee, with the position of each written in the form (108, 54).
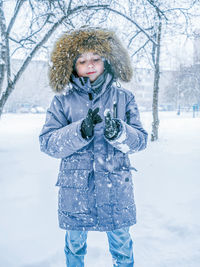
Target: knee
(77, 247)
(120, 244)
(76, 244)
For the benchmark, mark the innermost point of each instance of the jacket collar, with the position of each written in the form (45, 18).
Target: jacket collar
(83, 84)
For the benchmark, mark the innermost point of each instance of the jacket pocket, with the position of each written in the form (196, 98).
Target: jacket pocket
(72, 200)
(73, 191)
(124, 188)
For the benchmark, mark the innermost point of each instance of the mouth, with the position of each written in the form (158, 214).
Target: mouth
(89, 73)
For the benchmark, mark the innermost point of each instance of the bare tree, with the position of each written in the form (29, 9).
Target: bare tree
(184, 89)
(160, 19)
(156, 63)
(145, 22)
(44, 19)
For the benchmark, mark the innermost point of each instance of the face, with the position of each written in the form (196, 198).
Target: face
(89, 65)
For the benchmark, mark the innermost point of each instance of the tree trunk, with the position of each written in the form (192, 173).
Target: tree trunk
(11, 84)
(4, 97)
(155, 123)
(2, 46)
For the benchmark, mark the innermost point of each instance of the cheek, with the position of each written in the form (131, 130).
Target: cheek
(80, 70)
(101, 68)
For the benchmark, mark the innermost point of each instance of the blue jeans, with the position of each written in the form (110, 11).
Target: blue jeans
(120, 246)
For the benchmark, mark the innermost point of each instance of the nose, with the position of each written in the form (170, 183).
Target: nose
(91, 64)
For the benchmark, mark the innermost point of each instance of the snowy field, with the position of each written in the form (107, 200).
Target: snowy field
(167, 192)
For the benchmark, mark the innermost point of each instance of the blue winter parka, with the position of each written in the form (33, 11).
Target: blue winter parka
(95, 180)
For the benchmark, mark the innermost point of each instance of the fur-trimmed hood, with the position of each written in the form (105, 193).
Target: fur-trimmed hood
(73, 43)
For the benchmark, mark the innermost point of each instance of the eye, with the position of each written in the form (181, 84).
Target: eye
(82, 62)
(97, 59)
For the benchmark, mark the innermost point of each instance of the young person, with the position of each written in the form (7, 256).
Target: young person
(92, 125)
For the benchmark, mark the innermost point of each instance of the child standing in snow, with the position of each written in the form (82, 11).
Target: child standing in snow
(92, 125)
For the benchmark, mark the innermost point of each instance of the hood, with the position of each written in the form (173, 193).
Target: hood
(71, 44)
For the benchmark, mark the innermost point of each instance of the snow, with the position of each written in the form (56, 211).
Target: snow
(167, 194)
(124, 148)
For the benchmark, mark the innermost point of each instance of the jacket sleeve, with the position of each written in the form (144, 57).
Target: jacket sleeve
(132, 136)
(58, 137)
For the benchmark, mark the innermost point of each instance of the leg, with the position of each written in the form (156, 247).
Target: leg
(121, 247)
(75, 248)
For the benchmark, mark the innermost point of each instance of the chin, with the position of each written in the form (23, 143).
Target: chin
(92, 79)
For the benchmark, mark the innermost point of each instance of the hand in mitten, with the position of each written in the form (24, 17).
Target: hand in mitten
(112, 127)
(87, 126)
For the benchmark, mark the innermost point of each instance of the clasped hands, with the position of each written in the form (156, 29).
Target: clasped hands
(112, 126)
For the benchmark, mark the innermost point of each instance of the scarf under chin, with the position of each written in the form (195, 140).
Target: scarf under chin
(97, 84)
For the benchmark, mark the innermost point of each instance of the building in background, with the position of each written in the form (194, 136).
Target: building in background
(33, 89)
(33, 93)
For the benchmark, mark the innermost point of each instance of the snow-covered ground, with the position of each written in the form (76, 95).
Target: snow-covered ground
(167, 192)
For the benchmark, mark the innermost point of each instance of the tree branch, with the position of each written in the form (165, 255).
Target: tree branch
(10, 87)
(136, 34)
(12, 21)
(85, 7)
(142, 47)
(151, 2)
(133, 37)
(69, 7)
(135, 23)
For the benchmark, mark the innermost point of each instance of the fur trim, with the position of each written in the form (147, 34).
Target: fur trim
(98, 40)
